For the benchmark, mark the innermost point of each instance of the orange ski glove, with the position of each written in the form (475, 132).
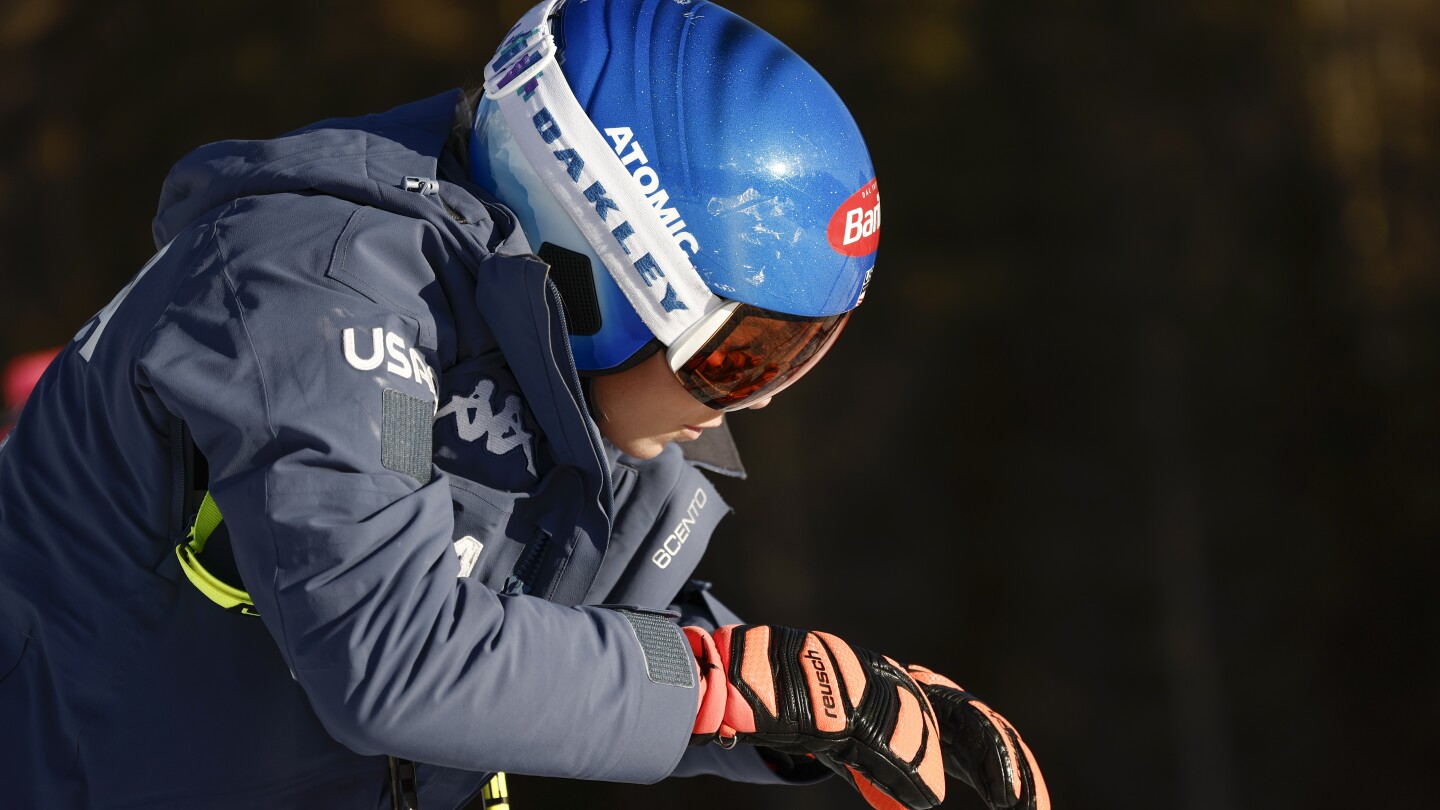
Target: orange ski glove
(981, 748)
(803, 693)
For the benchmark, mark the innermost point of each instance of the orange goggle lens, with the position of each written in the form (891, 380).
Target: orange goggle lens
(756, 354)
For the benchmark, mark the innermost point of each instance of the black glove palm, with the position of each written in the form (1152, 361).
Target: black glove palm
(981, 748)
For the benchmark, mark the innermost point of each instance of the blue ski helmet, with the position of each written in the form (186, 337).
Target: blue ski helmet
(687, 126)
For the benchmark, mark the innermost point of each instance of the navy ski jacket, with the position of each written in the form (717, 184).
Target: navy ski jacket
(374, 376)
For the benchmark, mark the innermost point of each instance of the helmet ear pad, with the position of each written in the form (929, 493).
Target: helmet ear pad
(574, 278)
(572, 274)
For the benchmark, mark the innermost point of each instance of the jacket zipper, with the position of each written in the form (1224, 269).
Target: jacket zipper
(180, 477)
(595, 445)
(523, 574)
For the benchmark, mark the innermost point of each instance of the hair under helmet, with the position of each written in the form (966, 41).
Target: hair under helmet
(678, 158)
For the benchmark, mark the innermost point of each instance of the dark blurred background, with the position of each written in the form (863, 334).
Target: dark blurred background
(1136, 434)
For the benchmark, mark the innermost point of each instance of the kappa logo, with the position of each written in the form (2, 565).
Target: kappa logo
(503, 430)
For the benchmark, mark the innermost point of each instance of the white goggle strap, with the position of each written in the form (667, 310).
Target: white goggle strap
(576, 162)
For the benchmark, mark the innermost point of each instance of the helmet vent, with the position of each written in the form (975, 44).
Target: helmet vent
(571, 273)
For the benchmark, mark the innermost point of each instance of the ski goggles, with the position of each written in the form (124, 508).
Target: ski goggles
(740, 354)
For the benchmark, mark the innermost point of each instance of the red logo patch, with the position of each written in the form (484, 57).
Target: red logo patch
(855, 226)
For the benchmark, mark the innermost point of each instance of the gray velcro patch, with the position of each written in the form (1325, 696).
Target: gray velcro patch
(406, 435)
(668, 660)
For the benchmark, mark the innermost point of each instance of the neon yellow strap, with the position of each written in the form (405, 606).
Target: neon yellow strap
(495, 794)
(216, 590)
(206, 521)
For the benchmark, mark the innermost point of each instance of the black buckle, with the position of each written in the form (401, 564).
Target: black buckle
(403, 794)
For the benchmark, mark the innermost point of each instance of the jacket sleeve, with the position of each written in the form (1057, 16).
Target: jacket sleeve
(302, 394)
(697, 606)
